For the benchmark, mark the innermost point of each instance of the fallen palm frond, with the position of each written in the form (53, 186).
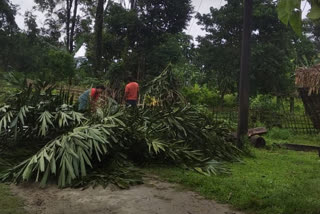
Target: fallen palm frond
(67, 157)
(177, 136)
(116, 170)
(163, 90)
(31, 121)
(104, 147)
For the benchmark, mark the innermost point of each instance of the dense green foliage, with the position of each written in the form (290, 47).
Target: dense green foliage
(276, 50)
(73, 144)
(138, 47)
(290, 12)
(143, 38)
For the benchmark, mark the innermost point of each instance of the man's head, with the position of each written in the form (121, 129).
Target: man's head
(100, 88)
(131, 79)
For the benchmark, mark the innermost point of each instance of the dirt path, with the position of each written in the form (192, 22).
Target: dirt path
(153, 197)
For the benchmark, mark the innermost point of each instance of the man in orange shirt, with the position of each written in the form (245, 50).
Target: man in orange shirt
(132, 92)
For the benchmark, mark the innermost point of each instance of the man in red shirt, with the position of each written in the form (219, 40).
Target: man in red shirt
(132, 92)
(90, 97)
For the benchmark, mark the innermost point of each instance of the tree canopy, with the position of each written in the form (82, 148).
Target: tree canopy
(142, 38)
(276, 50)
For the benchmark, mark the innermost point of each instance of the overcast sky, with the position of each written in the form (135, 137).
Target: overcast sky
(201, 6)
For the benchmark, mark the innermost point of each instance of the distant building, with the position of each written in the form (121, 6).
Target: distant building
(80, 60)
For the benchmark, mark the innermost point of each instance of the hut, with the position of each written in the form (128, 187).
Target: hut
(307, 81)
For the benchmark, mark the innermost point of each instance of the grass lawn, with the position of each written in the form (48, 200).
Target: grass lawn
(277, 181)
(274, 181)
(9, 204)
(297, 139)
(277, 135)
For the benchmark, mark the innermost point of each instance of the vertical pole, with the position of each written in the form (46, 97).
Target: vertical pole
(291, 104)
(98, 26)
(244, 79)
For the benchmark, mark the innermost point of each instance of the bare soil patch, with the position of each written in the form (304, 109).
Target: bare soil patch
(153, 197)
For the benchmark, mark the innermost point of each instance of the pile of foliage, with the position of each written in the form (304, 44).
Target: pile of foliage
(77, 149)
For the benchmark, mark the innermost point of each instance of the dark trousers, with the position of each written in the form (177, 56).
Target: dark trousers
(132, 103)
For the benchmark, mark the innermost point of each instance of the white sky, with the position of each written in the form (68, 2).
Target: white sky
(201, 6)
(23, 6)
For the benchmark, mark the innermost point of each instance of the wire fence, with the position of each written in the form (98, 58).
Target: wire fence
(296, 122)
(77, 91)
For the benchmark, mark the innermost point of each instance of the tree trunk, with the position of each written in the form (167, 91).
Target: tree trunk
(98, 35)
(223, 92)
(74, 18)
(133, 4)
(69, 6)
(244, 78)
(105, 9)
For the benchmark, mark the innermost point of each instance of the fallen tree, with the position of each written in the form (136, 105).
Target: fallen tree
(80, 149)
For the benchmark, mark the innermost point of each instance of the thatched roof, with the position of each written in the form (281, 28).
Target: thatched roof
(309, 78)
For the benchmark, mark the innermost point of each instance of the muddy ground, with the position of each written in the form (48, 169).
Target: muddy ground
(153, 197)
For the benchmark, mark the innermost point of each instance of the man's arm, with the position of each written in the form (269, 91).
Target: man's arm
(138, 91)
(126, 92)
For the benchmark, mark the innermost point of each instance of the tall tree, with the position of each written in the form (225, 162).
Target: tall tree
(160, 19)
(30, 22)
(133, 39)
(98, 35)
(273, 48)
(219, 50)
(52, 31)
(7, 13)
(133, 4)
(73, 21)
(312, 30)
(67, 15)
(68, 12)
(8, 28)
(168, 16)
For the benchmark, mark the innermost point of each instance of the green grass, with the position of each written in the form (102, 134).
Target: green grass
(273, 182)
(277, 135)
(9, 204)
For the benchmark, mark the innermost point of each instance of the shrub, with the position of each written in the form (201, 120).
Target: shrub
(265, 111)
(201, 95)
(263, 103)
(230, 100)
(278, 133)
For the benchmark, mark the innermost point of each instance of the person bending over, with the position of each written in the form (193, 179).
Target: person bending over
(89, 98)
